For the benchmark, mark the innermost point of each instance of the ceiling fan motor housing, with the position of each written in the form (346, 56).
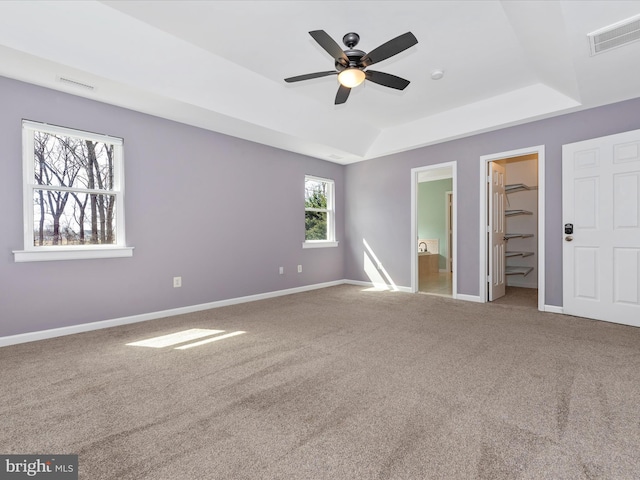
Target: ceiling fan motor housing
(354, 57)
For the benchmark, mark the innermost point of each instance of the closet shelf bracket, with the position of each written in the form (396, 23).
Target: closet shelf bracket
(508, 236)
(513, 270)
(513, 213)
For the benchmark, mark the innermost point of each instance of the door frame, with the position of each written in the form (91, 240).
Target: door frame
(448, 205)
(414, 222)
(483, 217)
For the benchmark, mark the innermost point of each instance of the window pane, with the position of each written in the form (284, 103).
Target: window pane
(315, 225)
(315, 194)
(63, 161)
(69, 218)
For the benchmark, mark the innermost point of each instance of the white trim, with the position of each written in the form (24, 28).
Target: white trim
(553, 309)
(358, 283)
(415, 172)
(34, 253)
(85, 253)
(330, 211)
(318, 179)
(484, 161)
(87, 327)
(469, 298)
(319, 244)
(448, 215)
(71, 132)
(541, 229)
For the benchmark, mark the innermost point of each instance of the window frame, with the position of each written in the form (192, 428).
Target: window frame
(33, 253)
(330, 211)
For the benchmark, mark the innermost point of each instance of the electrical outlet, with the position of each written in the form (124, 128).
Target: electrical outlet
(281, 270)
(177, 282)
(299, 268)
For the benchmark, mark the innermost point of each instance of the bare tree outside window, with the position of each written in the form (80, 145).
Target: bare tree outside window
(73, 199)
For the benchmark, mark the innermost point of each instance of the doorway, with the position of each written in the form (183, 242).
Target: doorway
(449, 222)
(512, 227)
(433, 229)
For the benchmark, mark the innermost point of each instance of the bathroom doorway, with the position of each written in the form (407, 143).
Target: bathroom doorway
(433, 227)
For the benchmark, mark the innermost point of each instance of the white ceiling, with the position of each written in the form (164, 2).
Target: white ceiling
(220, 65)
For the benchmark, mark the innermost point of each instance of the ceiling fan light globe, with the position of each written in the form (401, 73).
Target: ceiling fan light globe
(351, 77)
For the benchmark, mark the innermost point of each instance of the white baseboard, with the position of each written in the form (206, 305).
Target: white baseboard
(469, 298)
(87, 327)
(553, 309)
(358, 283)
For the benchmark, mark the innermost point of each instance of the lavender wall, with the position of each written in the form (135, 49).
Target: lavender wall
(378, 206)
(225, 213)
(221, 212)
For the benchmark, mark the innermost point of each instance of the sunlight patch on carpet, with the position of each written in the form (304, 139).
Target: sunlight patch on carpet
(209, 340)
(175, 338)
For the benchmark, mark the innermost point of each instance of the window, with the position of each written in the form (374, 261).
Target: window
(319, 212)
(73, 194)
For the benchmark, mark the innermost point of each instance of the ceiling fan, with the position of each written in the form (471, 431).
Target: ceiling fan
(350, 64)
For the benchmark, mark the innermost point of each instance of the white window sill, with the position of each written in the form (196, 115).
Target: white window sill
(319, 244)
(48, 254)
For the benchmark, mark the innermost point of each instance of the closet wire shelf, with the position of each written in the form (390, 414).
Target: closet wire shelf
(518, 187)
(524, 271)
(517, 270)
(513, 213)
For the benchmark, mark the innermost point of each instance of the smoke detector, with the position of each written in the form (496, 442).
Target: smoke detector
(616, 35)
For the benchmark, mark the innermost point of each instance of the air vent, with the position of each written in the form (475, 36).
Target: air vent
(615, 35)
(76, 83)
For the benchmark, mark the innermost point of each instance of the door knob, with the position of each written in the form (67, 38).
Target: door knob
(568, 238)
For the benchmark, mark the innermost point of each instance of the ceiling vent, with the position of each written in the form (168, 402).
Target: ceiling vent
(616, 35)
(76, 83)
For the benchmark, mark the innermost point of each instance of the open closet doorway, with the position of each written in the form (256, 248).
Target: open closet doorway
(512, 228)
(433, 246)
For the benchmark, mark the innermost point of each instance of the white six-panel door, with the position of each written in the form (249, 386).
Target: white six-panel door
(497, 198)
(601, 199)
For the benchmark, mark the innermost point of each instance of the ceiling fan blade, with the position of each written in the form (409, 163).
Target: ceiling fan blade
(309, 76)
(330, 45)
(342, 95)
(387, 80)
(389, 49)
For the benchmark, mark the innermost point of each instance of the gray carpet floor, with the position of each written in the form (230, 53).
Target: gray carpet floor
(519, 296)
(338, 383)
